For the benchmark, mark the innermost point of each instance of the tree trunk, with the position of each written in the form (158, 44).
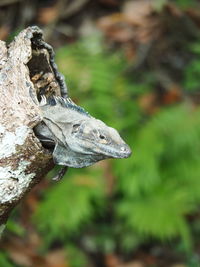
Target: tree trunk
(23, 160)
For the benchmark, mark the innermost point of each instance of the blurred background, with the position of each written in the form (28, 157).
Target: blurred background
(135, 64)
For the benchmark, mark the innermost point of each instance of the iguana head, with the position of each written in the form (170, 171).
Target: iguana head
(80, 140)
(92, 136)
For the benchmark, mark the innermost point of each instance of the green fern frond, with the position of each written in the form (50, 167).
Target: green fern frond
(68, 205)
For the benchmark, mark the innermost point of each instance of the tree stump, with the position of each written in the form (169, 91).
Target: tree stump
(23, 160)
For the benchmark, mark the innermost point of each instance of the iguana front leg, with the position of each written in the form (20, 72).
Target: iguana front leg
(60, 174)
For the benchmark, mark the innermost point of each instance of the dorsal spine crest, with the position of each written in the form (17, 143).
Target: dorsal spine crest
(64, 102)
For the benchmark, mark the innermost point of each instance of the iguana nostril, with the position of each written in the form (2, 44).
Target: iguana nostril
(126, 150)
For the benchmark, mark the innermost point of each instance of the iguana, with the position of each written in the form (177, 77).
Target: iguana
(76, 138)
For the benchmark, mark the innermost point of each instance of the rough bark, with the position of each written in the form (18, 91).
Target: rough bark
(23, 160)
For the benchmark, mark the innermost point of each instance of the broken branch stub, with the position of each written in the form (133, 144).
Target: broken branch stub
(27, 70)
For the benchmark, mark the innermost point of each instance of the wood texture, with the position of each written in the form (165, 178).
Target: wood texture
(23, 160)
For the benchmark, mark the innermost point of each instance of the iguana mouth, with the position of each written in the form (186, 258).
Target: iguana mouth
(119, 151)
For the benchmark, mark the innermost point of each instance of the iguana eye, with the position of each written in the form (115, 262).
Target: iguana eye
(75, 128)
(103, 139)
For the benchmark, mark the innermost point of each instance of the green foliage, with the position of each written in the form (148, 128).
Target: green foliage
(14, 227)
(96, 81)
(67, 206)
(76, 257)
(186, 3)
(4, 261)
(162, 184)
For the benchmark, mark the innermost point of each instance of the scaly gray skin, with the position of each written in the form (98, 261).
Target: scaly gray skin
(78, 139)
